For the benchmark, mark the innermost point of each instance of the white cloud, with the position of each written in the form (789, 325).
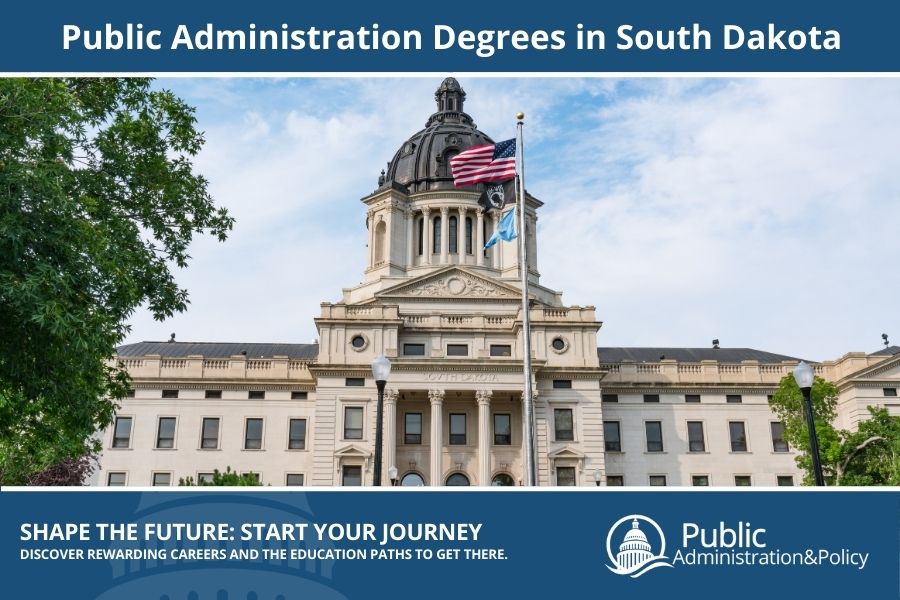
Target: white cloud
(762, 212)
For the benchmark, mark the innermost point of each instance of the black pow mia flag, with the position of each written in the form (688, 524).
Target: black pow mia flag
(497, 195)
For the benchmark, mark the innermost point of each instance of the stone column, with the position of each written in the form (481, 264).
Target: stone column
(370, 224)
(410, 238)
(445, 235)
(495, 249)
(479, 239)
(390, 433)
(483, 397)
(426, 228)
(437, 435)
(461, 236)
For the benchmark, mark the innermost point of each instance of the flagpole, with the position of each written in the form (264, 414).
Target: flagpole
(528, 395)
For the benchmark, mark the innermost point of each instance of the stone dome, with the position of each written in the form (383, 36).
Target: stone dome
(423, 161)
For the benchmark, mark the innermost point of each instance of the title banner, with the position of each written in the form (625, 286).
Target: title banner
(267, 36)
(447, 544)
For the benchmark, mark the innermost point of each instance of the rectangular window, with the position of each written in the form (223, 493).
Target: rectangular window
(654, 436)
(502, 429)
(696, 439)
(890, 392)
(658, 480)
(352, 476)
(738, 433)
(692, 398)
(700, 480)
(412, 428)
(458, 429)
(122, 433)
(563, 425)
(353, 423)
(733, 399)
(165, 433)
(210, 435)
(562, 384)
(651, 397)
(778, 442)
(501, 350)
(611, 436)
(457, 349)
(170, 393)
(115, 479)
(297, 434)
(213, 394)
(299, 395)
(615, 480)
(355, 382)
(205, 478)
(413, 349)
(129, 393)
(256, 395)
(162, 479)
(785, 480)
(294, 479)
(742, 480)
(565, 476)
(253, 434)
(610, 397)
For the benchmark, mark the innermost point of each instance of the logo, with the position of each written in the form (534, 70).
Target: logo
(635, 556)
(495, 195)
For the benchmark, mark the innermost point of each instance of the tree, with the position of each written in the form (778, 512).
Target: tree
(229, 477)
(868, 456)
(70, 472)
(787, 404)
(98, 202)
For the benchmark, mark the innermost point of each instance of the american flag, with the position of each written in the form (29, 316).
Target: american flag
(480, 164)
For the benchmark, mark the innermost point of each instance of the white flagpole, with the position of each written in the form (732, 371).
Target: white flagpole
(528, 395)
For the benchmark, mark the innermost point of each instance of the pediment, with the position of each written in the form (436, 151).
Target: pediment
(566, 452)
(352, 450)
(452, 282)
(888, 369)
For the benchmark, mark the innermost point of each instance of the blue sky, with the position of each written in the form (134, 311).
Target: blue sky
(762, 212)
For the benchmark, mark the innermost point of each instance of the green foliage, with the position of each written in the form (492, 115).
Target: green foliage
(868, 456)
(98, 200)
(229, 477)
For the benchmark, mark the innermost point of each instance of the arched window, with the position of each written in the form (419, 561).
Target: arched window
(412, 479)
(380, 242)
(452, 102)
(458, 479)
(502, 480)
(445, 170)
(453, 233)
(436, 236)
(420, 224)
(486, 237)
(468, 235)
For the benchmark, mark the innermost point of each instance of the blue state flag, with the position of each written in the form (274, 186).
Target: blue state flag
(506, 230)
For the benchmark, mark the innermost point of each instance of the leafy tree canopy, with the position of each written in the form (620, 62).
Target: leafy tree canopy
(229, 477)
(98, 202)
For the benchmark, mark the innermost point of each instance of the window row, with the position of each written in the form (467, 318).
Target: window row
(352, 475)
(217, 394)
(165, 478)
(698, 480)
(452, 235)
(696, 436)
(209, 433)
(418, 349)
(688, 398)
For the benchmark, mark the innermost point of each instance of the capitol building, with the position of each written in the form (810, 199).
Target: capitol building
(449, 317)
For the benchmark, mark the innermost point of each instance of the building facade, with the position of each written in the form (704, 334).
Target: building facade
(449, 317)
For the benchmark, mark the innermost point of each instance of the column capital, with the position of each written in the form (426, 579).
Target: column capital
(463, 209)
(436, 396)
(391, 395)
(496, 215)
(426, 210)
(445, 210)
(480, 212)
(483, 396)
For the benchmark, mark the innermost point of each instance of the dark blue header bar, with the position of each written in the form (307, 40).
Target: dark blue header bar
(268, 36)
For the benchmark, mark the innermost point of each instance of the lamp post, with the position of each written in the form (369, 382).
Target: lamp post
(381, 369)
(804, 376)
(598, 477)
(392, 475)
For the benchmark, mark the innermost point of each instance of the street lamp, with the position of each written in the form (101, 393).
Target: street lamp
(381, 369)
(392, 475)
(804, 376)
(598, 476)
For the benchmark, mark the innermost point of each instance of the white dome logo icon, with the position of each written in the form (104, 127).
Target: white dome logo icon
(635, 556)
